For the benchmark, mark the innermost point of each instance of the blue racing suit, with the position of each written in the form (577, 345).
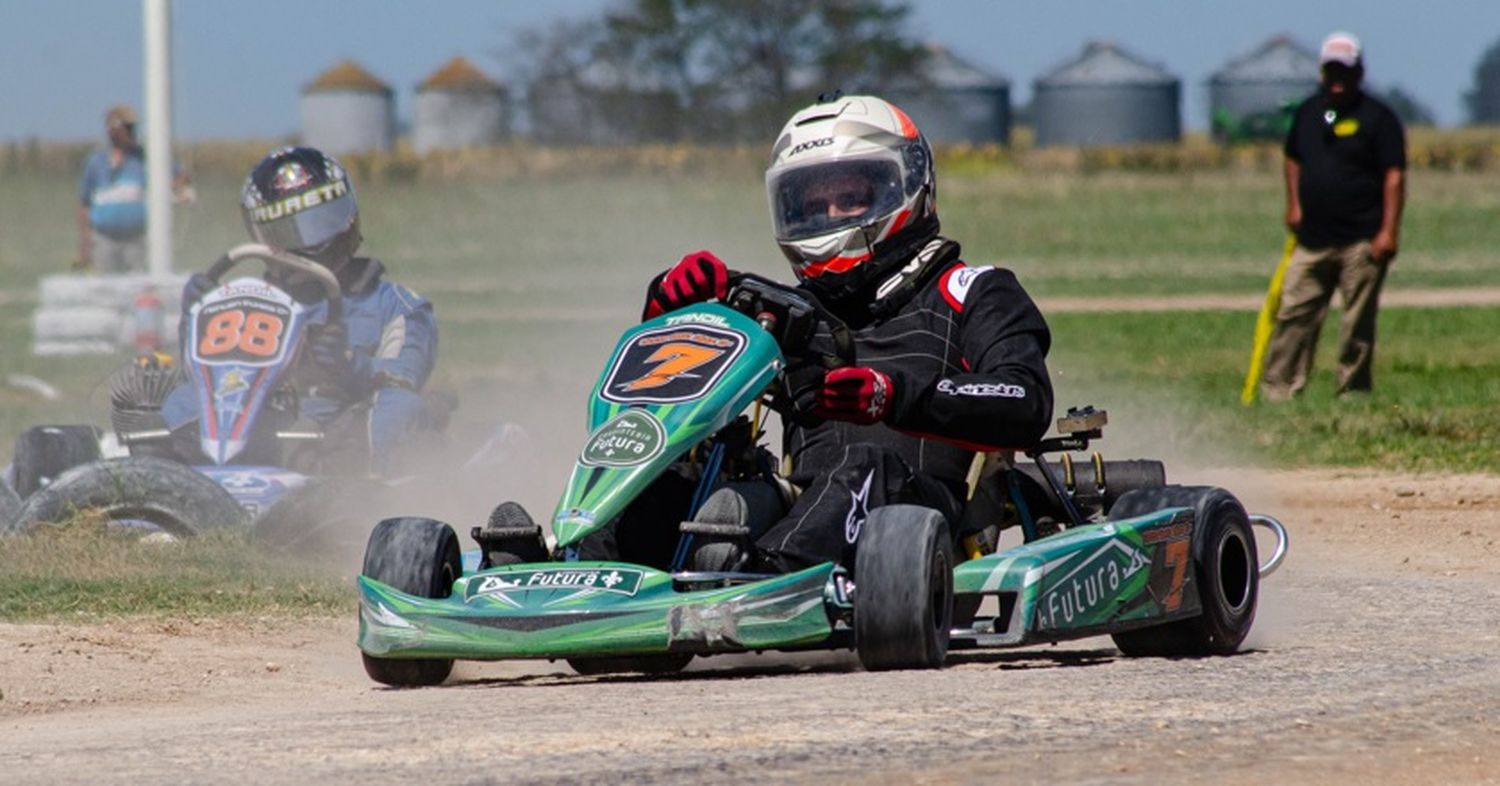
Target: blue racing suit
(393, 346)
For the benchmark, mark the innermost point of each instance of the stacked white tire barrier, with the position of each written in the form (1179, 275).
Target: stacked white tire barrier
(91, 314)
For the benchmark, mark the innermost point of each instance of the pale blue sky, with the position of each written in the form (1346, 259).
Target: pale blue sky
(240, 64)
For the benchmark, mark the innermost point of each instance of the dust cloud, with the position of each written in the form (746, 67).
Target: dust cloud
(532, 309)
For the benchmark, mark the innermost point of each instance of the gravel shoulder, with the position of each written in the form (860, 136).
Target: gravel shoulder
(1373, 659)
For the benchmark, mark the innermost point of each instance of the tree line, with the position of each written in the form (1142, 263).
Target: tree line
(732, 70)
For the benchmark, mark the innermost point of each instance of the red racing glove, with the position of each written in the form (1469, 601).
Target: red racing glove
(856, 394)
(698, 277)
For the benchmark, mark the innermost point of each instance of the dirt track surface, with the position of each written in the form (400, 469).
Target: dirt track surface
(1375, 658)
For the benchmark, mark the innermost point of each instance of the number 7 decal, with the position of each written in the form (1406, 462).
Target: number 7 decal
(673, 360)
(1178, 558)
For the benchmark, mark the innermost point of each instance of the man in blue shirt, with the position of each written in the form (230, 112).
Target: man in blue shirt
(112, 200)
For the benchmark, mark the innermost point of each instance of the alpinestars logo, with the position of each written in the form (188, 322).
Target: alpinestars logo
(859, 510)
(981, 389)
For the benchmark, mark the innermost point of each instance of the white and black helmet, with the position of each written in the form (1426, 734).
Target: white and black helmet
(850, 182)
(300, 199)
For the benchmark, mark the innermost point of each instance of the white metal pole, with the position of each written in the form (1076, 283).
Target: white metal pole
(158, 76)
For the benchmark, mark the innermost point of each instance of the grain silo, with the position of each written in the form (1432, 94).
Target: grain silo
(1252, 97)
(1107, 96)
(347, 110)
(458, 107)
(957, 102)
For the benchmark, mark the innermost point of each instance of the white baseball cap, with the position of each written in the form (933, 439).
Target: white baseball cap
(1342, 48)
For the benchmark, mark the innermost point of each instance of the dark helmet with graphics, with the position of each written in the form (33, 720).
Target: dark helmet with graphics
(299, 199)
(852, 193)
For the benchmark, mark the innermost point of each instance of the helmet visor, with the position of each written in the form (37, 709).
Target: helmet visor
(816, 200)
(306, 220)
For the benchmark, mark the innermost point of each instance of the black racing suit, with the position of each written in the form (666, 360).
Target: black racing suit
(966, 350)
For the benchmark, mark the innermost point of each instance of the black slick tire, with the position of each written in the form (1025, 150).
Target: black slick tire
(1225, 568)
(903, 599)
(419, 557)
(172, 496)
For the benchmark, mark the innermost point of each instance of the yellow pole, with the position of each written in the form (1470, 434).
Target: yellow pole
(1265, 324)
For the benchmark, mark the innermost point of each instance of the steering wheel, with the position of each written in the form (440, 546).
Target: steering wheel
(793, 317)
(286, 261)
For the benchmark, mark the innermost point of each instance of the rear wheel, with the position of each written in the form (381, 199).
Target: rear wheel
(903, 597)
(44, 452)
(419, 557)
(1225, 568)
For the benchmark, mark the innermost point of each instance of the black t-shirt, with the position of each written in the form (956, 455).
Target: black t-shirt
(1344, 157)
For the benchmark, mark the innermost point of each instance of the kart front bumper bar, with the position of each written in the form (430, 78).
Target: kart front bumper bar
(488, 618)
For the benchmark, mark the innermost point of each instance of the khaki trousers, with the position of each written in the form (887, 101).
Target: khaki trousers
(111, 255)
(1312, 276)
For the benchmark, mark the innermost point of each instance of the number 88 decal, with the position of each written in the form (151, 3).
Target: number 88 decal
(255, 333)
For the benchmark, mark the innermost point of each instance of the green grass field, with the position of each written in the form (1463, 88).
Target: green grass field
(80, 572)
(534, 280)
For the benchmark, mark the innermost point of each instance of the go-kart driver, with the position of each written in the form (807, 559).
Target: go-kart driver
(362, 377)
(951, 358)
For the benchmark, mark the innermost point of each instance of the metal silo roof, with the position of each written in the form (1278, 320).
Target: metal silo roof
(459, 75)
(1106, 64)
(947, 70)
(347, 75)
(1279, 59)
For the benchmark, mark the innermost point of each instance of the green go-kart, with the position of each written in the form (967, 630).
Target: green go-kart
(1108, 547)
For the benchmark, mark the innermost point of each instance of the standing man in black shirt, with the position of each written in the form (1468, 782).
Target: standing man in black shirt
(1345, 189)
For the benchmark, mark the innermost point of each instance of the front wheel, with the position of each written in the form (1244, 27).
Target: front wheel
(1225, 568)
(173, 498)
(903, 601)
(419, 557)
